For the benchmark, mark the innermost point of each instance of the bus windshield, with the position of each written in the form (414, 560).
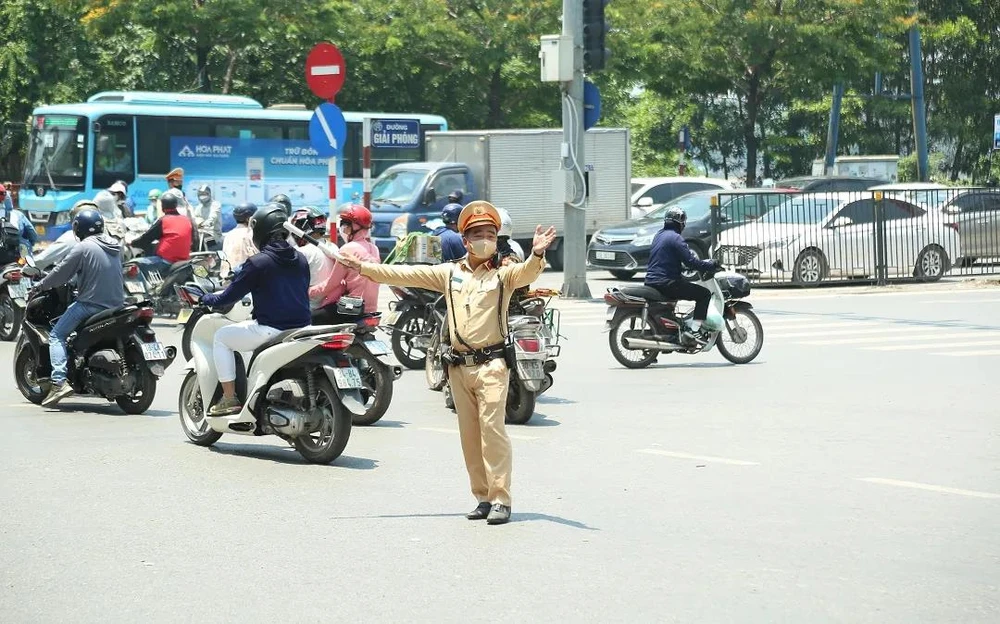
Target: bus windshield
(399, 186)
(57, 152)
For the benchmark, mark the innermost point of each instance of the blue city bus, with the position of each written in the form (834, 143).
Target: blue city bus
(242, 150)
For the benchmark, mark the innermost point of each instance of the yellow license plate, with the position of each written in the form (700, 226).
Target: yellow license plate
(184, 315)
(40, 229)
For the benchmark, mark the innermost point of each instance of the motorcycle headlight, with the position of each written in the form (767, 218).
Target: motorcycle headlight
(641, 241)
(399, 227)
(781, 242)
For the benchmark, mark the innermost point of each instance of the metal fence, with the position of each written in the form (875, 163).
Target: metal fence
(902, 234)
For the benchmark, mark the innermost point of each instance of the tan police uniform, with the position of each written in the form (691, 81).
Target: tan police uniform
(480, 391)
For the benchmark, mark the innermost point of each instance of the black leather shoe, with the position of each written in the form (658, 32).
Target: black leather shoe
(480, 512)
(499, 514)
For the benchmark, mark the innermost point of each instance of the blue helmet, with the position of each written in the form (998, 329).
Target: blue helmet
(243, 212)
(450, 213)
(88, 222)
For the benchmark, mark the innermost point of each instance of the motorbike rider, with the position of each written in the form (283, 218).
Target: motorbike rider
(355, 229)
(663, 272)
(452, 247)
(208, 215)
(237, 245)
(153, 209)
(125, 204)
(282, 200)
(60, 247)
(96, 264)
(278, 280)
(172, 234)
(25, 228)
(313, 222)
(508, 249)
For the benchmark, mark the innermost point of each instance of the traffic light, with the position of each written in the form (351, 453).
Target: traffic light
(595, 55)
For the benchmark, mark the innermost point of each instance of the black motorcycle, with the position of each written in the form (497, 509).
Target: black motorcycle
(113, 354)
(144, 282)
(413, 321)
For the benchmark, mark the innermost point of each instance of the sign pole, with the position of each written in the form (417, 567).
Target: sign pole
(574, 243)
(366, 154)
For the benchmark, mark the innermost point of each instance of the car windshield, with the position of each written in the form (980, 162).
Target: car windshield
(802, 210)
(397, 187)
(694, 205)
(57, 152)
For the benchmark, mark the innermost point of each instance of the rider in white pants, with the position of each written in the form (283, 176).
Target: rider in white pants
(278, 280)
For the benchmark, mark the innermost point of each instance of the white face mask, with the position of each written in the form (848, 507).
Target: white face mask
(482, 248)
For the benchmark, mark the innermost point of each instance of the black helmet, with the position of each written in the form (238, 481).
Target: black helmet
(675, 219)
(88, 222)
(267, 224)
(450, 214)
(455, 197)
(243, 212)
(168, 203)
(310, 220)
(283, 201)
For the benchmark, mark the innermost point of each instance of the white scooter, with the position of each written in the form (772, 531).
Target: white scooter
(300, 386)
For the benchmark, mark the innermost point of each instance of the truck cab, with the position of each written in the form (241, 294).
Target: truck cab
(408, 196)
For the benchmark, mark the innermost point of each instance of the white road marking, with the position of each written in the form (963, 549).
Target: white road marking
(969, 353)
(980, 343)
(931, 488)
(969, 333)
(325, 70)
(704, 458)
(512, 436)
(867, 330)
(941, 301)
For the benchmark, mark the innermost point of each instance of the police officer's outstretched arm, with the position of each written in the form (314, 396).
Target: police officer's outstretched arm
(519, 275)
(430, 278)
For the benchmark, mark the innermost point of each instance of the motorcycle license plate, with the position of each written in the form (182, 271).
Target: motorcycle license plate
(136, 288)
(18, 290)
(531, 369)
(377, 347)
(183, 316)
(391, 318)
(153, 351)
(608, 317)
(347, 378)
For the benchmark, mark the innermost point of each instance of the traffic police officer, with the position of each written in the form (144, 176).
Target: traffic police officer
(479, 376)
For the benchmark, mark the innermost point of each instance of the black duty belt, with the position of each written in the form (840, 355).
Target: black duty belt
(477, 357)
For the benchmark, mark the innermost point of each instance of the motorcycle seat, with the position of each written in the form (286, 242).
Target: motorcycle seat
(177, 266)
(647, 293)
(102, 315)
(301, 332)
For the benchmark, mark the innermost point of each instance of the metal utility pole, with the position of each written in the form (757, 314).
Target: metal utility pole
(833, 130)
(574, 243)
(917, 103)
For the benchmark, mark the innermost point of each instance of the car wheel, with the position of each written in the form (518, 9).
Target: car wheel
(810, 267)
(932, 263)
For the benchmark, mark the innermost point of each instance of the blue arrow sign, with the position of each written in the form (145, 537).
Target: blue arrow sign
(328, 130)
(591, 105)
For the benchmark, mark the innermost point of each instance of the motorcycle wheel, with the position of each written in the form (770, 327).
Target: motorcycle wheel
(142, 397)
(433, 368)
(411, 323)
(334, 432)
(10, 317)
(377, 390)
(24, 376)
(188, 330)
(629, 358)
(192, 416)
(747, 321)
(520, 404)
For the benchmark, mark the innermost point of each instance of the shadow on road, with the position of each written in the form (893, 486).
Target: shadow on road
(541, 420)
(553, 400)
(387, 424)
(104, 409)
(281, 455)
(515, 517)
(683, 365)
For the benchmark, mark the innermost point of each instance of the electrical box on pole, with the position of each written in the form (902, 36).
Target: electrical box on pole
(595, 30)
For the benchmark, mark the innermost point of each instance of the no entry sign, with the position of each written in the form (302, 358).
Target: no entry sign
(325, 70)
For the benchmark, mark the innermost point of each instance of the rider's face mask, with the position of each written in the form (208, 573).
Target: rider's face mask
(204, 198)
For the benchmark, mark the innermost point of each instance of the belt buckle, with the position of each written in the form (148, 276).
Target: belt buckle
(469, 359)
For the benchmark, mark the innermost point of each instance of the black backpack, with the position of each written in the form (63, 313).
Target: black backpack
(10, 242)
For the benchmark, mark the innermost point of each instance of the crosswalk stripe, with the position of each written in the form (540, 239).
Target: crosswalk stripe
(969, 353)
(978, 343)
(845, 333)
(870, 339)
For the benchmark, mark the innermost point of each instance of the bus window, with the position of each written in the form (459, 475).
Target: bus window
(154, 151)
(57, 152)
(239, 129)
(352, 157)
(297, 130)
(114, 151)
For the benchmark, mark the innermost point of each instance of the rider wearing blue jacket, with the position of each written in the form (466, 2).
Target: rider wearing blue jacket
(666, 257)
(452, 247)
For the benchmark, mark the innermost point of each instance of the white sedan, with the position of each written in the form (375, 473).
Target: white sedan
(811, 237)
